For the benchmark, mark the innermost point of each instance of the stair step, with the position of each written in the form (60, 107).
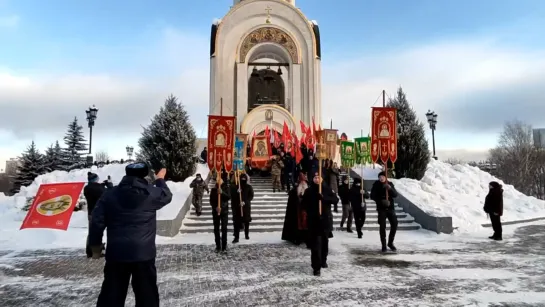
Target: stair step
(280, 215)
(278, 222)
(274, 207)
(255, 228)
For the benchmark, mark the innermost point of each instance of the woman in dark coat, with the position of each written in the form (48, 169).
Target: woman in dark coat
(244, 193)
(493, 206)
(295, 224)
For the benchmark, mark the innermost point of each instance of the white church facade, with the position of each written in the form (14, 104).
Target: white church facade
(265, 66)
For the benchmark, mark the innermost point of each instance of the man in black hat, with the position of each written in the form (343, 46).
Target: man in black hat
(359, 207)
(383, 193)
(220, 215)
(92, 192)
(128, 211)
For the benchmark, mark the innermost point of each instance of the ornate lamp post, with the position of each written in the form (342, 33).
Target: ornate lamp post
(91, 117)
(130, 151)
(432, 120)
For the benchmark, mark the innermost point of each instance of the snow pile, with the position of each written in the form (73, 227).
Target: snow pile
(11, 215)
(459, 191)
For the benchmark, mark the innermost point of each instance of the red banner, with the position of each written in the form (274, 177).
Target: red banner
(221, 134)
(277, 140)
(383, 134)
(53, 206)
(261, 151)
(286, 135)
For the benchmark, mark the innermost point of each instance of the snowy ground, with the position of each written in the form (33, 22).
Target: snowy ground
(429, 270)
(11, 215)
(459, 191)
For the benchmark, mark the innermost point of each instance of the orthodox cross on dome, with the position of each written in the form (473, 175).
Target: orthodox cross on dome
(268, 10)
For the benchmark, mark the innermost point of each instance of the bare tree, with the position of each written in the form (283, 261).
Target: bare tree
(516, 158)
(102, 156)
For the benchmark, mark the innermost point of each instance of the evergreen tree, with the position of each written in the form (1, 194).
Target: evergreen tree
(76, 145)
(54, 158)
(412, 146)
(171, 140)
(31, 165)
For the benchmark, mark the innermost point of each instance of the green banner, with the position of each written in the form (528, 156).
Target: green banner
(348, 154)
(363, 150)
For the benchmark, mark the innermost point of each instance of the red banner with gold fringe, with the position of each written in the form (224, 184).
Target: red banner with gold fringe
(383, 134)
(221, 134)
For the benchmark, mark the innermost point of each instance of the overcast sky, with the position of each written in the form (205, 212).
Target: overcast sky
(475, 70)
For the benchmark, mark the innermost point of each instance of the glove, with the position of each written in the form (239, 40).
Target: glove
(243, 204)
(387, 186)
(361, 191)
(239, 190)
(218, 210)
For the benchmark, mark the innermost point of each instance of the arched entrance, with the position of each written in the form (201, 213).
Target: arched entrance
(266, 87)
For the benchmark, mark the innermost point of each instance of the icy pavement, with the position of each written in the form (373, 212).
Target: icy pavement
(429, 270)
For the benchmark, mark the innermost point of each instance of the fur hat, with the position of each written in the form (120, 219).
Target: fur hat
(138, 169)
(92, 177)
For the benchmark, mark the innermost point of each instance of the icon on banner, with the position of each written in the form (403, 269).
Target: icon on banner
(54, 206)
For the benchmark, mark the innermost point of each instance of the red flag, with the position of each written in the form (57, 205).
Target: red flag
(313, 126)
(277, 140)
(298, 154)
(286, 135)
(267, 133)
(319, 127)
(303, 127)
(53, 206)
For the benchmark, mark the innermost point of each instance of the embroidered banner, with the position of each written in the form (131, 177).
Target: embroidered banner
(221, 134)
(331, 143)
(241, 141)
(53, 206)
(383, 134)
(261, 151)
(363, 147)
(348, 154)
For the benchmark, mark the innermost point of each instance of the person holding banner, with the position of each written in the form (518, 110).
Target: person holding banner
(383, 193)
(319, 221)
(242, 196)
(128, 212)
(344, 195)
(357, 201)
(93, 192)
(220, 214)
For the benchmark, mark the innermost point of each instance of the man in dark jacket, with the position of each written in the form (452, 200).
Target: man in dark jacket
(204, 155)
(288, 171)
(319, 225)
(220, 216)
(128, 211)
(242, 195)
(383, 193)
(344, 195)
(493, 206)
(92, 192)
(359, 207)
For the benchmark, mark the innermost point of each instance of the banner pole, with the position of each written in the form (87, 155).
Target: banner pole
(239, 192)
(320, 184)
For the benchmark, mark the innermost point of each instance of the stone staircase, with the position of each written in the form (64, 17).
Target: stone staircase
(269, 210)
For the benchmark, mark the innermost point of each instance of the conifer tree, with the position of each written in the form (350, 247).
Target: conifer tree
(31, 165)
(412, 146)
(171, 140)
(53, 159)
(76, 145)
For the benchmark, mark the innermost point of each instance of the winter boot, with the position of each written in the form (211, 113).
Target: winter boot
(392, 247)
(350, 231)
(316, 272)
(235, 240)
(342, 224)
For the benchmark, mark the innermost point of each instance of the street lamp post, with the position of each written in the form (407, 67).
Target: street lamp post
(432, 120)
(91, 117)
(130, 151)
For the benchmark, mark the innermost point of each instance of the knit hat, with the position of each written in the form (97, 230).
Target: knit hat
(381, 174)
(357, 180)
(139, 169)
(92, 177)
(495, 185)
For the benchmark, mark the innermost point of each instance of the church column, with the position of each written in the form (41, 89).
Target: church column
(242, 92)
(296, 95)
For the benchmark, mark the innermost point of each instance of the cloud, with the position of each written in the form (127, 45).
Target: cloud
(10, 21)
(474, 86)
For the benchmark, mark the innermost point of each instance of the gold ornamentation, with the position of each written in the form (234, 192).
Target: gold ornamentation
(268, 10)
(269, 35)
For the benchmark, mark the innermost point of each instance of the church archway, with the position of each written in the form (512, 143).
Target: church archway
(265, 87)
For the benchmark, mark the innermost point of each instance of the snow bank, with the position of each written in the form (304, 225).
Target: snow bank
(459, 191)
(11, 215)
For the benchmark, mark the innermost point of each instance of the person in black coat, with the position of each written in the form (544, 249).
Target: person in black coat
(288, 171)
(493, 206)
(220, 216)
(344, 195)
(359, 207)
(204, 155)
(242, 195)
(128, 211)
(92, 192)
(385, 208)
(319, 225)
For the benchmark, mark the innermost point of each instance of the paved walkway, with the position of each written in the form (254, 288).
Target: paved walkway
(462, 273)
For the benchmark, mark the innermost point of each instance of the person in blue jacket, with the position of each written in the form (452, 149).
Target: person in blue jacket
(128, 211)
